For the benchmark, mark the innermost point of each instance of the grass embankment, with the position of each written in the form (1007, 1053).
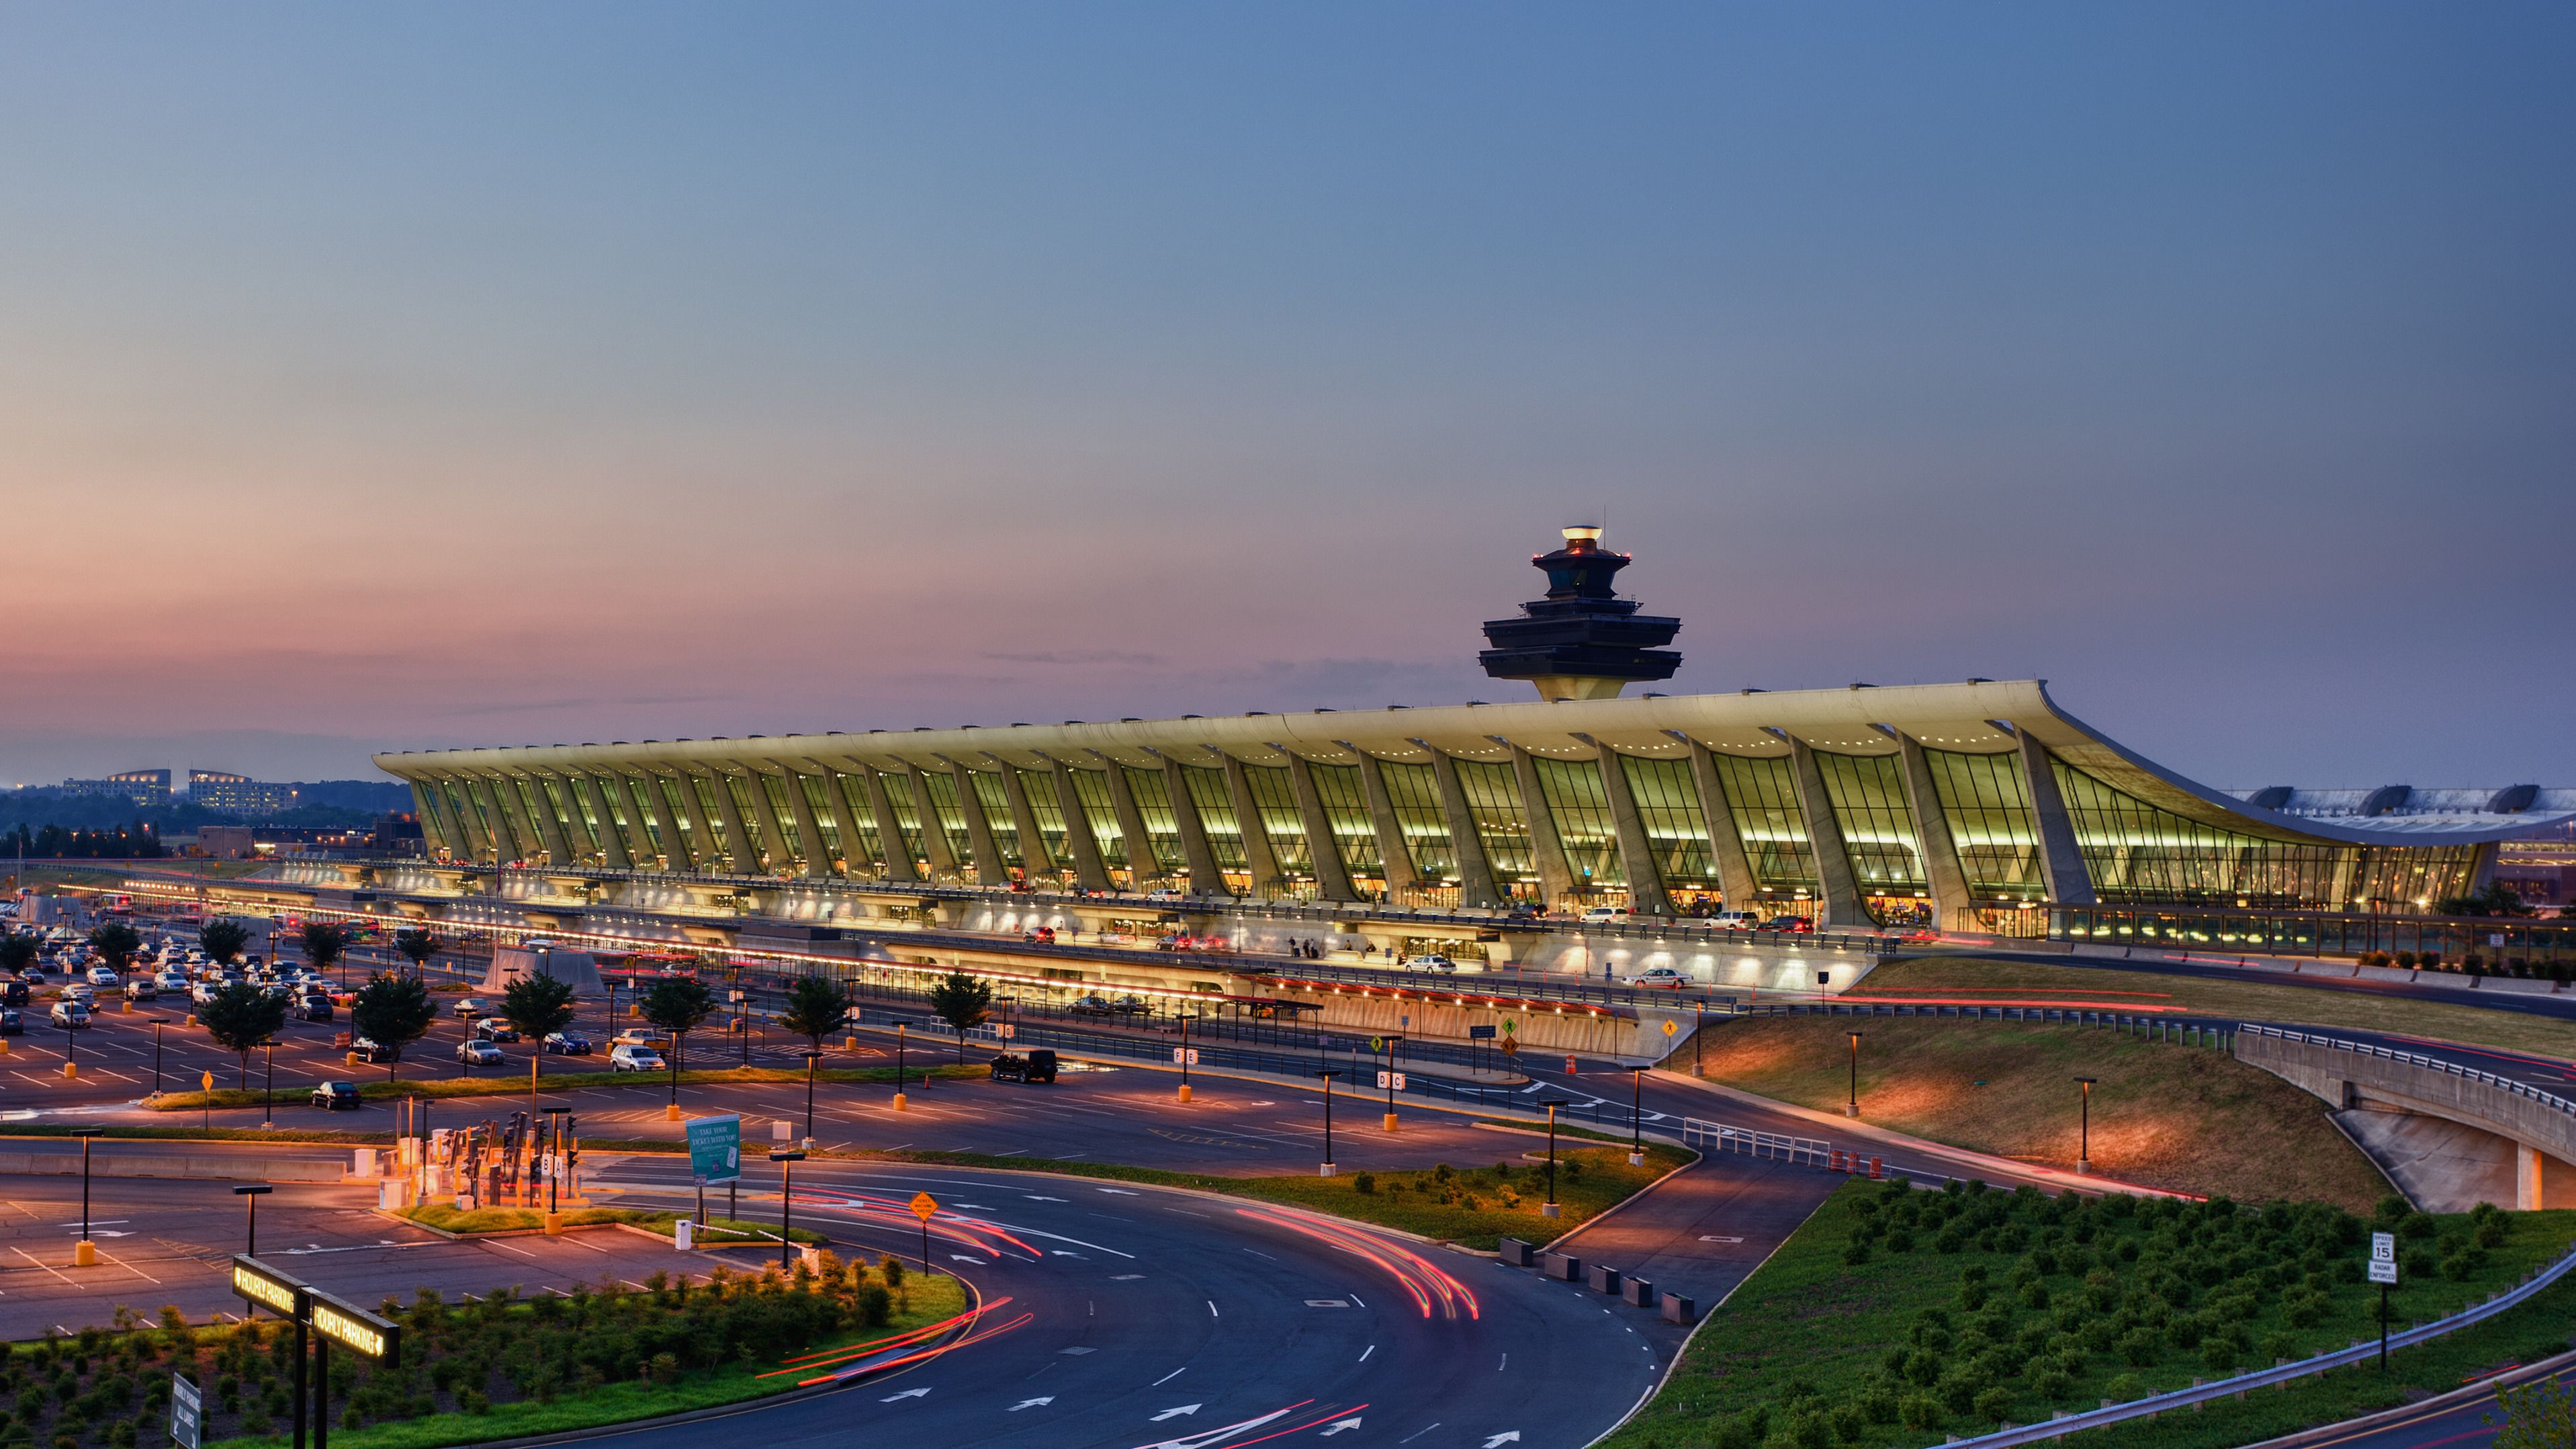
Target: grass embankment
(1473, 1207)
(504, 1086)
(1896, 1317)
(713, 1233)
(2255, 997)
(499, 1367)
(2188, 1119)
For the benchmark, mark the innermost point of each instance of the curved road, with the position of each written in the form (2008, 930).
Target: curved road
(1123, 1317)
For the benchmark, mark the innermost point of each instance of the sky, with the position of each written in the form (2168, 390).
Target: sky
(382, 377)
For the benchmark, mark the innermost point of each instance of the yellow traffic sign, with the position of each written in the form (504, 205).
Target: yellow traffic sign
(206, 1081)
(1670, 1028)
(1511, 1046)
(923, 1205)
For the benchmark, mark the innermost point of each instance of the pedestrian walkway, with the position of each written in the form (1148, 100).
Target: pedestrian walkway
(1705, 1228)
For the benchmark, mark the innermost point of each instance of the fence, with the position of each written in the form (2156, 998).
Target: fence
(1717, 1137)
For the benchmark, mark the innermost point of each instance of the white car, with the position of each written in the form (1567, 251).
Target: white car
(86, 996)
(1736, 920)
(1429, 963)
(628, 1057)
(102, 976)
(171, 981)
(1606, 915)
(636, 1036)
(141, 988)
(1659, 976)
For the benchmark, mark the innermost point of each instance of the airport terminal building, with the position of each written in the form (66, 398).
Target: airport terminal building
(1972, 806)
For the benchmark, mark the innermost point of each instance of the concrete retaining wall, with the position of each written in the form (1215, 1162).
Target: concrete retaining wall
(2350, 1080)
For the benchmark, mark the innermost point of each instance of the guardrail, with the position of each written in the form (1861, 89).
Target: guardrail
(2279, 1373)
(1750, 1142)
(2417, 1059)
(2159, 1024)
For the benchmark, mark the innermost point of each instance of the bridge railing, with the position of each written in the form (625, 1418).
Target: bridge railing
(2416, 1059)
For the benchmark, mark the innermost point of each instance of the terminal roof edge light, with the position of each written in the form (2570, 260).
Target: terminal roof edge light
(1898, 802)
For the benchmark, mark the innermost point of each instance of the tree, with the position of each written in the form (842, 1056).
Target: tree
(240, 1017)
(393, 1012)
(417, 944)
(223, 940)
(537, 1005)
(962, 1001)
(817, 1006)
(677, 1004)
(115, 944)
(2496, 900)
(2536, 1416)
(324, 941)
(17, 952)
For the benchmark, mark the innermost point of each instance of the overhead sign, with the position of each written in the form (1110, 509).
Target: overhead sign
(354, 1328)
(715, 1149)
(187, 1413)
(2383, 1257)
(923, 1205)
(1479, 1033)
(281, 1293)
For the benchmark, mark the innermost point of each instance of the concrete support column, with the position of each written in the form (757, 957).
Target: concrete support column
(766, 826)
(1475, 873)
(1841, 892)
(1258, 858)
(1141, 865)
(854, 841)
(1941, 869)
(658, 790)
(2061, 861)
(899, 864)
(2482, 867)
(1401, 874)
(1034, 855)
(1555, 877)
(1734, 865)
(612, 845)
(737, 835)
(2529, 1184)
(1332, 878)
(1205, 878)
(989, 868)
(934, 834)
(1646, 894)
(1088, 867)
(809, 830)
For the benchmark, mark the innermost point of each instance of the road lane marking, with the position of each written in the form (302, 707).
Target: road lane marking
(1167, 1378)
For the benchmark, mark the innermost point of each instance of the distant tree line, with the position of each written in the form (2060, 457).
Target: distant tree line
(53, 842)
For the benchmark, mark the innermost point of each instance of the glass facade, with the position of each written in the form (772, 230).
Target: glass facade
(868, 851)
(1039, 788)
(1502, 825)
(951, 817)
(1762, 795)
(677, 798)
(1162, 828)
(782, 812)
(2141, 853)
(1274, 798)
(1217, 820)
(1413, 793)
(995, 796)
(1581, 809)
(907, 816)
(1676, 830)
(1100, 816)
(1345, 800)
(1984, 800)
(1867, 793)
(747, 808)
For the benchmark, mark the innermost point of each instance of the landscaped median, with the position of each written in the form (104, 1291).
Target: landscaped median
(496, 1367)
(503, 1086)
(495, 1221)
(1898, 1318)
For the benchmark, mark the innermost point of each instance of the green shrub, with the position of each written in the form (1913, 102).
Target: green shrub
(1994, 1404)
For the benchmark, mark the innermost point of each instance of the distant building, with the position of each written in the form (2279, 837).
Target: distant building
(226, 842)
(238, 794)
(143, 787)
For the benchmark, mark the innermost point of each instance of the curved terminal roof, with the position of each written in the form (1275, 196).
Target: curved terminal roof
(1977, 717)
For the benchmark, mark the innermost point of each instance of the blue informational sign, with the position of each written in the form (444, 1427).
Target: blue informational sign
(715, 1149)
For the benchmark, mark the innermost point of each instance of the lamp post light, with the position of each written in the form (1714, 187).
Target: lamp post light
(1328, 1074)
(2084, 1144)
(251, 1193)
(1851, 1106)
(85, 1253)
(812, 1055)
(1549, 1209)
(1637, 1113)
(786, 1158)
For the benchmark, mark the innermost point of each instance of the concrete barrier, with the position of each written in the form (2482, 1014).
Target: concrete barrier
(1681, 1308)
(1637, 1292)
(1518, 1254)
(1603, 1278)
(1562, 1267)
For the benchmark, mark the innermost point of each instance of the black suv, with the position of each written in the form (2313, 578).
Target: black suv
(1037, 1066)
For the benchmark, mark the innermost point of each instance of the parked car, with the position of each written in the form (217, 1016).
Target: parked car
(470, 1007)
(311, 1008)
(70, 1015)
(103, 976)
(1434, 962)
(332, 1096)
(1131, 1006)
(629, 1057)
(567, 1044)
(1037, 1065)
(1605, 915)
(1659, 976)
(493, 1028)
(636, 1036)
(11, 1023)
(170, 981)
(368, 1049)
(141, 989)
(1736, 921)
(85, 995)
(13, 993)
(1092, 1006)
(1796, 925)
(480, 1053)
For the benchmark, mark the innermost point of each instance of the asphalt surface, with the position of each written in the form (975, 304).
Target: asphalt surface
(2454, 1426)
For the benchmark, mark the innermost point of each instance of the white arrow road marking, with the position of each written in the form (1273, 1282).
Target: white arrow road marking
(1206, 1437)
(1506, 1437)
(1125, 1277)
(1167, 1378)
(1714, 1238)
(1061, 1253)
(1046, 1199)
(906, 1394)
(1338, 1425)
(1029, 1404)
(1122, 1192)
(962, 1258)
(977, 1206)
(1176, 1413)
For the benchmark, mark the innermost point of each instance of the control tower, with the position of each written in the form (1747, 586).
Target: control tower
(1582, 641)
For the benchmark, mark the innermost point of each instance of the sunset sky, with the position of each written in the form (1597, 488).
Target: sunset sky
(402, 376)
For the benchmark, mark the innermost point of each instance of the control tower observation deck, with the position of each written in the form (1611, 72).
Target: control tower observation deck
(1582, 641)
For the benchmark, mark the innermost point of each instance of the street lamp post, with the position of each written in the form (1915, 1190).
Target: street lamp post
(156, 1057)
(251, 1193)
(1392, 1043)
(558, 1139)
(1549, 1209)
(1328, 1074)
(812, 1055)
(1851, 1106)
(787, 1158)
(1637, 1114)
(86, 1253)
(1185, 1058)
(898, 1064)
(268, 1086)
(2084, 1144)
